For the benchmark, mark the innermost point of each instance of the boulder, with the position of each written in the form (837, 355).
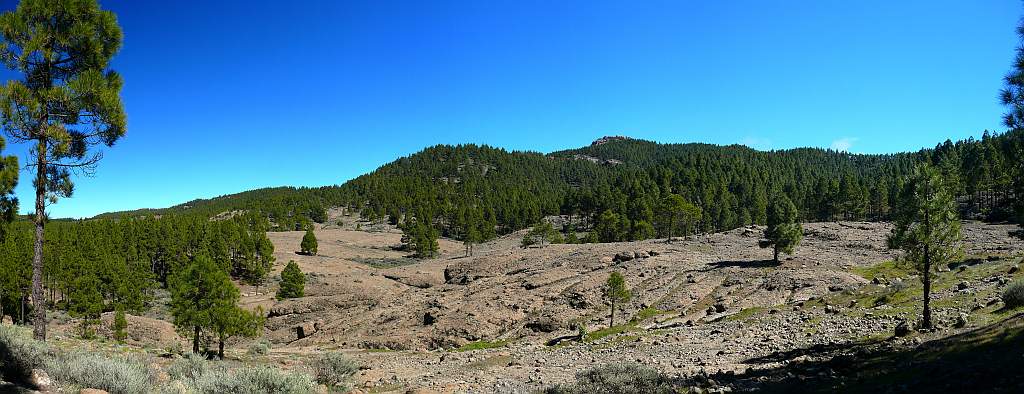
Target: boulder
(902, 329)
(40, 380)
(623, 257)
(961, 320)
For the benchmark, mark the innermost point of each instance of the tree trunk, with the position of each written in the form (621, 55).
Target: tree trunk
(195, 341)
(38, 303)
(611, 323)
(220, 349)
(927, 320)
(776, 253)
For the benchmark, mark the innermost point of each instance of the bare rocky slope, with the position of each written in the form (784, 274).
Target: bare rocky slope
(702, 305)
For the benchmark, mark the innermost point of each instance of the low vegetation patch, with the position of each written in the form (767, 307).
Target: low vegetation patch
(481, 345)
(614, 330)
(1013, 296)
(334, 370)
(886, 269)
(615, 379)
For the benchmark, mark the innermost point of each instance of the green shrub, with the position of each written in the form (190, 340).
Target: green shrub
(617, 379)
(333, 369)
(120, 326)
(1013, 296)
(115, 375)
(19, 353)
(293, 282)
(190, 367)
(252, 380)
(259, 348)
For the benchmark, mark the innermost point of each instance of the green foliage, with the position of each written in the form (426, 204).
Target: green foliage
(481, 345)
(676, 214)
(333, 369)
(1013, 295)
(66, 102)
(309, 244)
(421, 238)
(120, 326)
(541, 234)
(927, 226)
(200, 292)
(784, 231)
(618, 379)
(8, 179)
(293, 282)
(616, 292)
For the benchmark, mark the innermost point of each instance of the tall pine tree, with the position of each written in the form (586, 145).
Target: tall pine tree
(927, 227)
(66, 102)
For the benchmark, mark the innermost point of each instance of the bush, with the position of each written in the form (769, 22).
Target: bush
(120, 326)
(115, 375)
(190, 367)
(1013, 296)
(252, 380)
(19, 353)
(333, 369)
(617, 379)
(259, 348)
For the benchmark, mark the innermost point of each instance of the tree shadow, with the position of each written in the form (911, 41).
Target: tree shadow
(743, 264)
(981, 360)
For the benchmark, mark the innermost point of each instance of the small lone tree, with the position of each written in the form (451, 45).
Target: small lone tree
(308, 245)
(231, 321)
(199, 291)
(616, 292)
(541, 234)
(120, 325)
(472, 238)
(67, 101)
(927, 227)
(784, 231)
(293, 282)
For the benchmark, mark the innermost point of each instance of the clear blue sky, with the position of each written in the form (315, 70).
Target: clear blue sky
(225, 96)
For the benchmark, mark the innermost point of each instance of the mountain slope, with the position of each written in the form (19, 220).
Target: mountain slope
(614, 186)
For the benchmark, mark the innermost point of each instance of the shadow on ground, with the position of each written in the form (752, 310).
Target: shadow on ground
(743, 264)
(988, 359)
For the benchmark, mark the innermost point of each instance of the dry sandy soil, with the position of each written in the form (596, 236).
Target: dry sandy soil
(701, 305)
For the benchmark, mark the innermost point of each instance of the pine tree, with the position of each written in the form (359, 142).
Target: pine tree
(616, 292)
(293, 282)
(231, 321)
(309, 245)
(927, 227)
(67, 101)
(8, 179)
(199, 290)
(677, 213)
(784, 231)
(120, 325)
(1012, 96)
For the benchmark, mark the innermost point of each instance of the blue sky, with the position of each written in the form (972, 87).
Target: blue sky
(228, 96)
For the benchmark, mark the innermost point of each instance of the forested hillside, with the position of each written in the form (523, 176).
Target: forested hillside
(616, 187)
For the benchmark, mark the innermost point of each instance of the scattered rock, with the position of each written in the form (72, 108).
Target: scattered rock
(902, 329)
(623, 257)
(961, 320)
(1013, 269)
(40, 380)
